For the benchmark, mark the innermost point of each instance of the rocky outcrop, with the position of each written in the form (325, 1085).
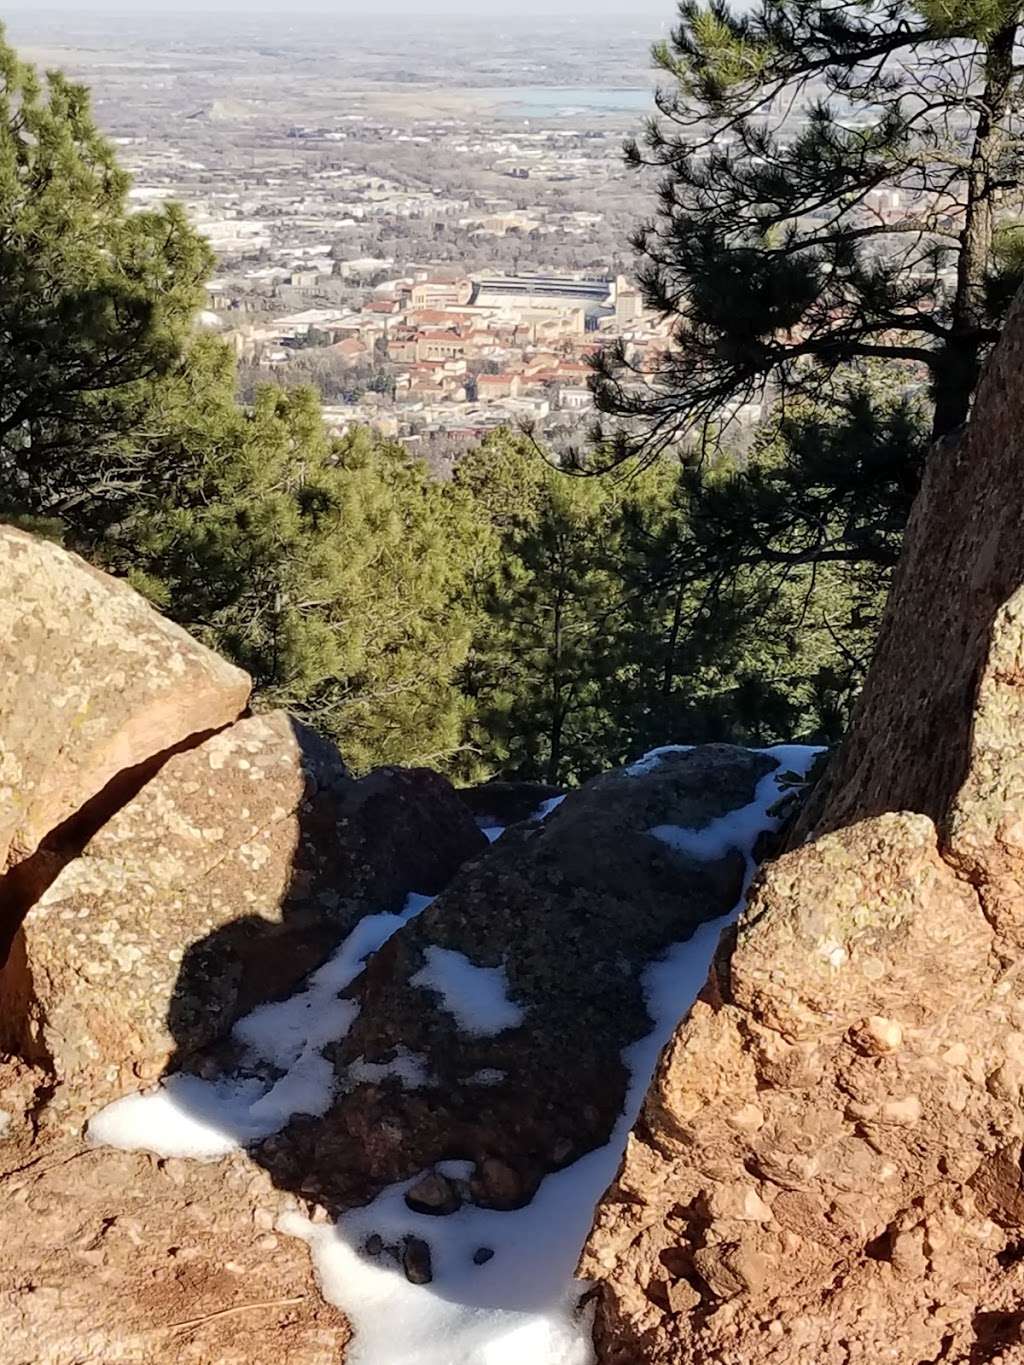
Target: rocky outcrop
(94, 686)
(232, 874)
(492, 1027)
(828, 1164)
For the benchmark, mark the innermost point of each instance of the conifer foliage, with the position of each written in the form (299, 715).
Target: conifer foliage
(885, 228)
(96, 301)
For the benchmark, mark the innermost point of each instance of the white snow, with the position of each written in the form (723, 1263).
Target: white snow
(408, 1067)
(492, 833)
(545, 808)
(521, 1306)
(190, 1117)
(476, 996)
(651, 760)
(488, 1075)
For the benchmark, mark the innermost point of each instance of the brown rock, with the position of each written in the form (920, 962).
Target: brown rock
(229, 877)
(495, 1185)
(434, 1194)
(866, 1024)
(106, 1261)
(93, 684)
(416, 1261)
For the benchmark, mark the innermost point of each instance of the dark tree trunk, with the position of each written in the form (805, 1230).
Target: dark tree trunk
(957, 371)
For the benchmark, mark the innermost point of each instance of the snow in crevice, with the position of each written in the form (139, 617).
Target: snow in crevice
(492, 833)
(523, 1304)
(521, 1307)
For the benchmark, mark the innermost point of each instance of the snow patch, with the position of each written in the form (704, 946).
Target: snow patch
(522, 1305)
(650, 760)
(545, 808)
(488, 1075)
(190, 1117)
(408, 1067)
(476, 996)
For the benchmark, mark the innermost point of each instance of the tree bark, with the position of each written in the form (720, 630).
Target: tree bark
(959, 364)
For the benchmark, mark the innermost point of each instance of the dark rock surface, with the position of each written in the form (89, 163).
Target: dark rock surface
(571, 912)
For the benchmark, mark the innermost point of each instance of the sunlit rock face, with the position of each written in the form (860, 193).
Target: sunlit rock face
(827, 1167)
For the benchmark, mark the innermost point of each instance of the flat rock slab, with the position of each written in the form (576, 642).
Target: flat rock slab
(110, 1256)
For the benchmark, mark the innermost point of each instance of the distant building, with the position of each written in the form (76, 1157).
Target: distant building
(492, 387)
(629, 303)
(575, 399)
(440, 293)
(536, 291)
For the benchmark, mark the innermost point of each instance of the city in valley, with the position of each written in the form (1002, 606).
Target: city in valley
(431, 225)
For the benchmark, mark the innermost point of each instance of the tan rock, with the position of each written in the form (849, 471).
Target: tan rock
(229, 877)
(880, 959)
(111, 1264)
(93, 683)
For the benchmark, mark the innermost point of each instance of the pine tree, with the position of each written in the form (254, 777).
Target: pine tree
(881, 226)
(96, 304)
(546, 595)
(334, 571)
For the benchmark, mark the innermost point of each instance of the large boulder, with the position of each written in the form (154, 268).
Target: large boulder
(828, 1164)
(94, 685)
(492, 1027)
(233, 873)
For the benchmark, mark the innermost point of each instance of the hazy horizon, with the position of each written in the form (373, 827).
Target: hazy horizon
(356, 9)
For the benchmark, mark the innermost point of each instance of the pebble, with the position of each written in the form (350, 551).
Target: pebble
(416, 1261)
(434, 1194)
(482, 1255)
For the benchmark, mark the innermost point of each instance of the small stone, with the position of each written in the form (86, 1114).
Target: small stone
(882, 1035)
(434, 1195)
(730, 1269)
(682, 1297)
(267, 1242)
(496, 1185)
(374, 1244)
(904, 1112)
(416, 1261)
(738, 1201)
(482, 1255)
(263, 1220)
